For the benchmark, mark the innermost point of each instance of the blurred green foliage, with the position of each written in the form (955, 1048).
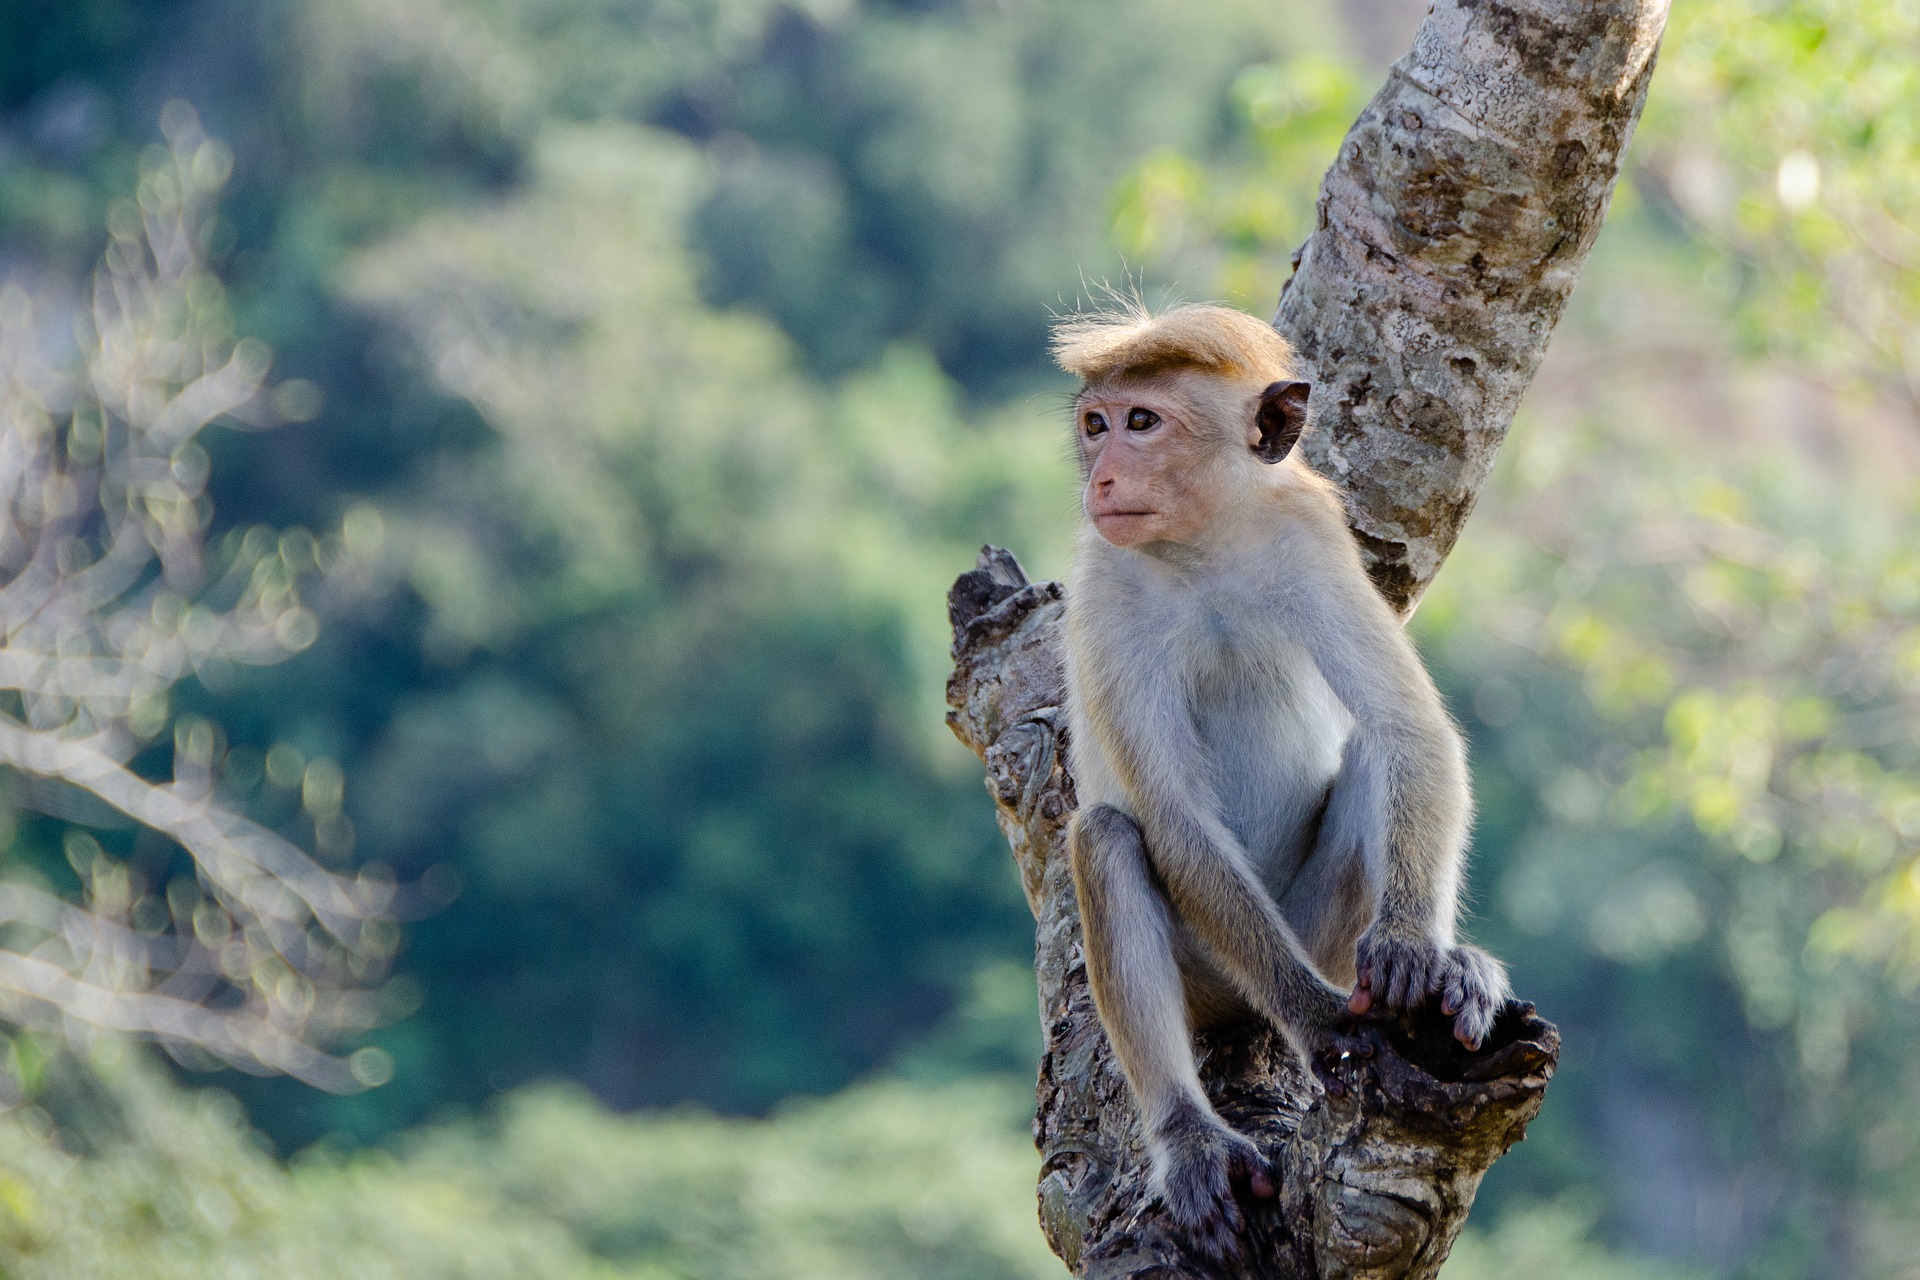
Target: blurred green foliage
(672, 357)
(1238, 220)
(882, 1180)
(1692, 711)
(1787, 137)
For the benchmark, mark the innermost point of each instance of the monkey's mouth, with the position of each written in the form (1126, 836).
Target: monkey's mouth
(1122, 515)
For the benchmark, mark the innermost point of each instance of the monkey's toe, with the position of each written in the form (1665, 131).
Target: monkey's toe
(1200, 1202)
(1472, 1023)
(1334, 1058)
(1473, 1009)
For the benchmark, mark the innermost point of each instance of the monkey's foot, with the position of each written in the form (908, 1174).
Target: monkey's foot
(1332, 1054)
(1198, 1162)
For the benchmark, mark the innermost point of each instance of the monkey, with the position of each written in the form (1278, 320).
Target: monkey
(1274, 800)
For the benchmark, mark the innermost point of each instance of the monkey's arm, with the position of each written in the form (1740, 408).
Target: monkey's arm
(1146, 732)
(1402, 796)
(1402, 803)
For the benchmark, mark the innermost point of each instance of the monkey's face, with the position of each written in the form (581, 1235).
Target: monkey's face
(1157, 467)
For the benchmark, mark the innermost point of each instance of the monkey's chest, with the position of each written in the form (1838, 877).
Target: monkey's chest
(1273, 733)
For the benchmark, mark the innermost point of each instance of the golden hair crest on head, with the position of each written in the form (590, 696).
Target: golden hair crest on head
(1129, 341)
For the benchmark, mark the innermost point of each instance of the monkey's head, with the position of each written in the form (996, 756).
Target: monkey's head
(1182, 416)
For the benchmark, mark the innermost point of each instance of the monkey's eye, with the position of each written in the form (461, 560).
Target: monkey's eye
(1142, 420)
(1096, 424)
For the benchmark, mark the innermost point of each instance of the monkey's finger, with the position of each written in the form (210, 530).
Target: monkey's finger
(1428, 977)
(1475, 1021)
(1348, 1046)
(1395, 994)
(1324, 1070)
(1409, 982)
(1328, 1060)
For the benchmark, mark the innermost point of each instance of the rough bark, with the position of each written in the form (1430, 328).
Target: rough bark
(1452, 228)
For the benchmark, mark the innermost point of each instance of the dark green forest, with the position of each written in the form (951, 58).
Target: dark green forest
(654, 365)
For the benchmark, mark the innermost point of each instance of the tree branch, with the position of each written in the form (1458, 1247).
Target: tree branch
(263, 955)
(1452, 228)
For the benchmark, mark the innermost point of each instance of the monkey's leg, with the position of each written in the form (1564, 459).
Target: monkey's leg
(1329, 902)
(1136, 982)
(1216, 894)
(1203, 868)
(1128, 928)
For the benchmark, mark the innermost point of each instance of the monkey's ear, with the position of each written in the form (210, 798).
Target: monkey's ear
(1281, 418)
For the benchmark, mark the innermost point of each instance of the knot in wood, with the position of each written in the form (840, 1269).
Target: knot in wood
(1020, 763)
(1369, 1233)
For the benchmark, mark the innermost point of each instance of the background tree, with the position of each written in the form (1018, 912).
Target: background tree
(247, 952)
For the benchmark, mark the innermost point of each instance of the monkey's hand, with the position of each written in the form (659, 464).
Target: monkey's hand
(1399, 972)
(1197, 1162)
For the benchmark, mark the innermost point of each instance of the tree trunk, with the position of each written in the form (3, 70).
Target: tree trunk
(1451, 230)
